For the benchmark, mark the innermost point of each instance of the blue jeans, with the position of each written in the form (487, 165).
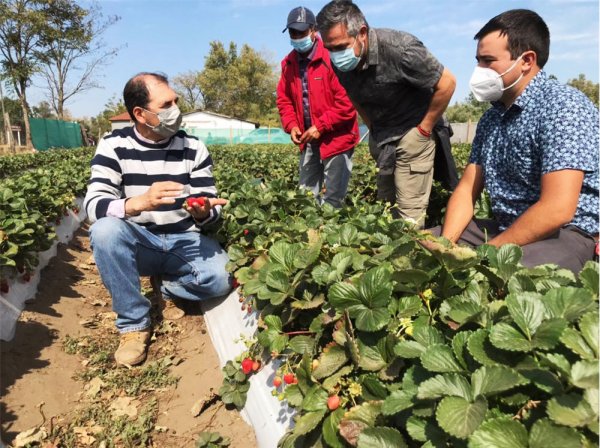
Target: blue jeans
(333, 172)
(191, 265)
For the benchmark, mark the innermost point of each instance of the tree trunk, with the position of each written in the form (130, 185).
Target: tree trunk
(60, 111)
(25, 109)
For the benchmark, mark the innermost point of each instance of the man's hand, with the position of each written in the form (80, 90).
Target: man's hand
(200, 213)
(296, 134)
(310, 135)
(159, 193)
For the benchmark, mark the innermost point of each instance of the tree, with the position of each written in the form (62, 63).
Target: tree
(73, 50)
(240, 84)
(22, 24)
(42, 110)
(98, 125)
(190, 94)
(13, 108)
(589, 88)
(469, 110)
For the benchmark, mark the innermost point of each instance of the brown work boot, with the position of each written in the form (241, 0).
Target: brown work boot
(133, 348)
(172, 309)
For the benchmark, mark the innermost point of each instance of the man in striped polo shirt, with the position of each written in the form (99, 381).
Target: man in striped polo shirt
(140, 177)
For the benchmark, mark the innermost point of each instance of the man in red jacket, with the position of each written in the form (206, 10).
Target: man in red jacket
(316, 111)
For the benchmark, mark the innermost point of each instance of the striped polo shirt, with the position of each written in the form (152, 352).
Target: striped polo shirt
(125, 166)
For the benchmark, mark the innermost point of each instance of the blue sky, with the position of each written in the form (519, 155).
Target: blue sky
(173, 36)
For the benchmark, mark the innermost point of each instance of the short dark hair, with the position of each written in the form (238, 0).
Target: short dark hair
(135, 93)
(344, 12)
(525, 30)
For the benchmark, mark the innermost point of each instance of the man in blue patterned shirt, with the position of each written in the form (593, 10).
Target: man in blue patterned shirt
(535, 152)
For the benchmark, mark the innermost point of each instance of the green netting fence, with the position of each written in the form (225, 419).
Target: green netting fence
(233, 136)
(47, 134)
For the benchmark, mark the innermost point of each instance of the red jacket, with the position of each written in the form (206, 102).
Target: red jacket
(331, 110)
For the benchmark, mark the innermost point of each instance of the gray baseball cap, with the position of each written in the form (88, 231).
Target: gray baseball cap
(300, 19)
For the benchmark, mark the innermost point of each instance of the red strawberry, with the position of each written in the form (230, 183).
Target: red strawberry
(255, 365)
(246, 231)
(247, 365)
(195, 201)
(4, 287)
(235, 283)
(289, 378)
(277, 381)
(333, 402)
(249, 309)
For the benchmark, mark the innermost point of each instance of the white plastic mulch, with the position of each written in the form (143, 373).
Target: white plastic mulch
(225, 322)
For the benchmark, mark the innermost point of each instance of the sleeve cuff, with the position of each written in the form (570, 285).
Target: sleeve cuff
(116, 208)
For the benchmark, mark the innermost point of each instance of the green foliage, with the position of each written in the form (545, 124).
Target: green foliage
(588, 87)
(239, 84)
(15, 114)
(33, 200)
(208, 439)
(190, 94)
(468, 110)
(422, 343)
(100, 124)
(72, 50)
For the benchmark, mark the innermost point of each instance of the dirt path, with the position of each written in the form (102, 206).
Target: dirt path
(60, 357)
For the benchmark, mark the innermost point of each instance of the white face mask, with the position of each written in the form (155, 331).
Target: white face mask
(487, 85)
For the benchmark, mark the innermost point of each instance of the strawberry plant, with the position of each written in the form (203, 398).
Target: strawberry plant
(385, 335)
(382, 335)
(208, 439)
(32, 200)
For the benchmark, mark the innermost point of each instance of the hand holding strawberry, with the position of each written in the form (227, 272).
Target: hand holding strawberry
(199, 207)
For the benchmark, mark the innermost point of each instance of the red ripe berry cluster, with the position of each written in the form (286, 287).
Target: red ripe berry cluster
(288, 378)
(250, 365)
(191, 202)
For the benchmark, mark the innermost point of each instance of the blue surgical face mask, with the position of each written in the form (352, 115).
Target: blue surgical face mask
(302, 45)
(346, 60)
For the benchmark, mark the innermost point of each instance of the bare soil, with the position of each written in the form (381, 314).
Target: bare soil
(72, 303)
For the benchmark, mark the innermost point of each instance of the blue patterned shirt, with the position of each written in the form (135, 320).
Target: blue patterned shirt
(550, 127)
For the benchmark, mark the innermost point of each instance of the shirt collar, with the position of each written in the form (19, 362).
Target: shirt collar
(143, 139)
(531, 91)
(312, 54)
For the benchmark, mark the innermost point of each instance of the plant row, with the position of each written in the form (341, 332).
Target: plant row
(16, 164)
(33, 202)
(385, 336)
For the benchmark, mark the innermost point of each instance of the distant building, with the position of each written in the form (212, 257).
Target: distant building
(208, 126)
(120, 121)
(215, 128)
